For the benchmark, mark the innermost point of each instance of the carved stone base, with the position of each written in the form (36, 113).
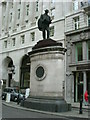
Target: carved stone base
(50, 104)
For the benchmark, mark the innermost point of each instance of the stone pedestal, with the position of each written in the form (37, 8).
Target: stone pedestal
(47, 76)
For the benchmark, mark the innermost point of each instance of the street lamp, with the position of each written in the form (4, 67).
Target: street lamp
(13, 69)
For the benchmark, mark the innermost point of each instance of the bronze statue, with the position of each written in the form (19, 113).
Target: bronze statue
(43, 23)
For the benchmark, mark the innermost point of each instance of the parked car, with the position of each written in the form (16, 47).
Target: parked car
(14, 94)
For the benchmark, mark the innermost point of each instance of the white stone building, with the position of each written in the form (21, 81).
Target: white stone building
(19, 33)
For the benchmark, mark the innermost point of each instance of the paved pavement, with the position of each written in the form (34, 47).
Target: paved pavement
(73, 113)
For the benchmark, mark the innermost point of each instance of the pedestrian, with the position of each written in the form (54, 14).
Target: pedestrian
(18, 98)
(43, 24)
(86, 98)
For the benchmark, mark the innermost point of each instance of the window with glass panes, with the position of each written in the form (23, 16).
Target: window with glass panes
(5, 44)
(18, 13)
(27, 9)
(88, 20)
(33, 36)
(76, 23)
(51, 31)
(3, 22)
(75, 5)
(13, 41)
(37, 5)
(10, 17)
(22, 39)
(88, 43)
(52, 13)
(52, 1)
(79, 52)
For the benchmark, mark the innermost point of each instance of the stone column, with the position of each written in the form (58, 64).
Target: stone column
(14, 18)
(68, 87)
(73, 54)
(76, 87)
(84, 51)
(7, 14)
(72, 80)
(22, 13)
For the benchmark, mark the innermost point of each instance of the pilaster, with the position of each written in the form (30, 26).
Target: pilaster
(84, 51)
(14, 18)
(22, 13)
(7, 15)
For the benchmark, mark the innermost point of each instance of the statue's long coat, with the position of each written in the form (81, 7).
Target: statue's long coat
(43, 22)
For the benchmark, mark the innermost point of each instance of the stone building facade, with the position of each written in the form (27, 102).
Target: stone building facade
(78, 54)
(19, 33)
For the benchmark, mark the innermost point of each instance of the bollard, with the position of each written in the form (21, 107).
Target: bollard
(18, 99)
(22, 102)
(8, 96)
(80, 110)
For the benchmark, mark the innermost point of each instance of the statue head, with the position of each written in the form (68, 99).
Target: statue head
(46, 11)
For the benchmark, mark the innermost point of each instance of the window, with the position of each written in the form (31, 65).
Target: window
(75, 5)
(33, 36)
(76, 23)
(51, 31)
(88, 44)
(52, 1)
(52, 13)
(89, 20)
(18, 13)
(25, 72)
(79, 53)
(3, 20)
(10, 17)
(27, 10)
(37, 6)
(22, 39)
(13, 41)
(12, 5)
(20, 2)
(88, 2)
(5, 44)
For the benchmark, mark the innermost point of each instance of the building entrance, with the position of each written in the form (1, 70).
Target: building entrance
(81, 84)
(88, 80)
(10, 73)
(25, 73)
(78, 86)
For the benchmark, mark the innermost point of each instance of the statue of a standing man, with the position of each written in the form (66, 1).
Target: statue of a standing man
(43, 24)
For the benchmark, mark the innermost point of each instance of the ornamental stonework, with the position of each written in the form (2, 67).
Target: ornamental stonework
(82, 36)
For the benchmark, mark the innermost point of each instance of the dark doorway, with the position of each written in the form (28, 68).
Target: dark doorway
(9, 80)
(80, 91)
(25, 73)
(80, 86)
(10, 73)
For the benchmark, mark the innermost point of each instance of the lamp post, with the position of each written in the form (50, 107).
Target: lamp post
(13, 72)
(13, 69)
